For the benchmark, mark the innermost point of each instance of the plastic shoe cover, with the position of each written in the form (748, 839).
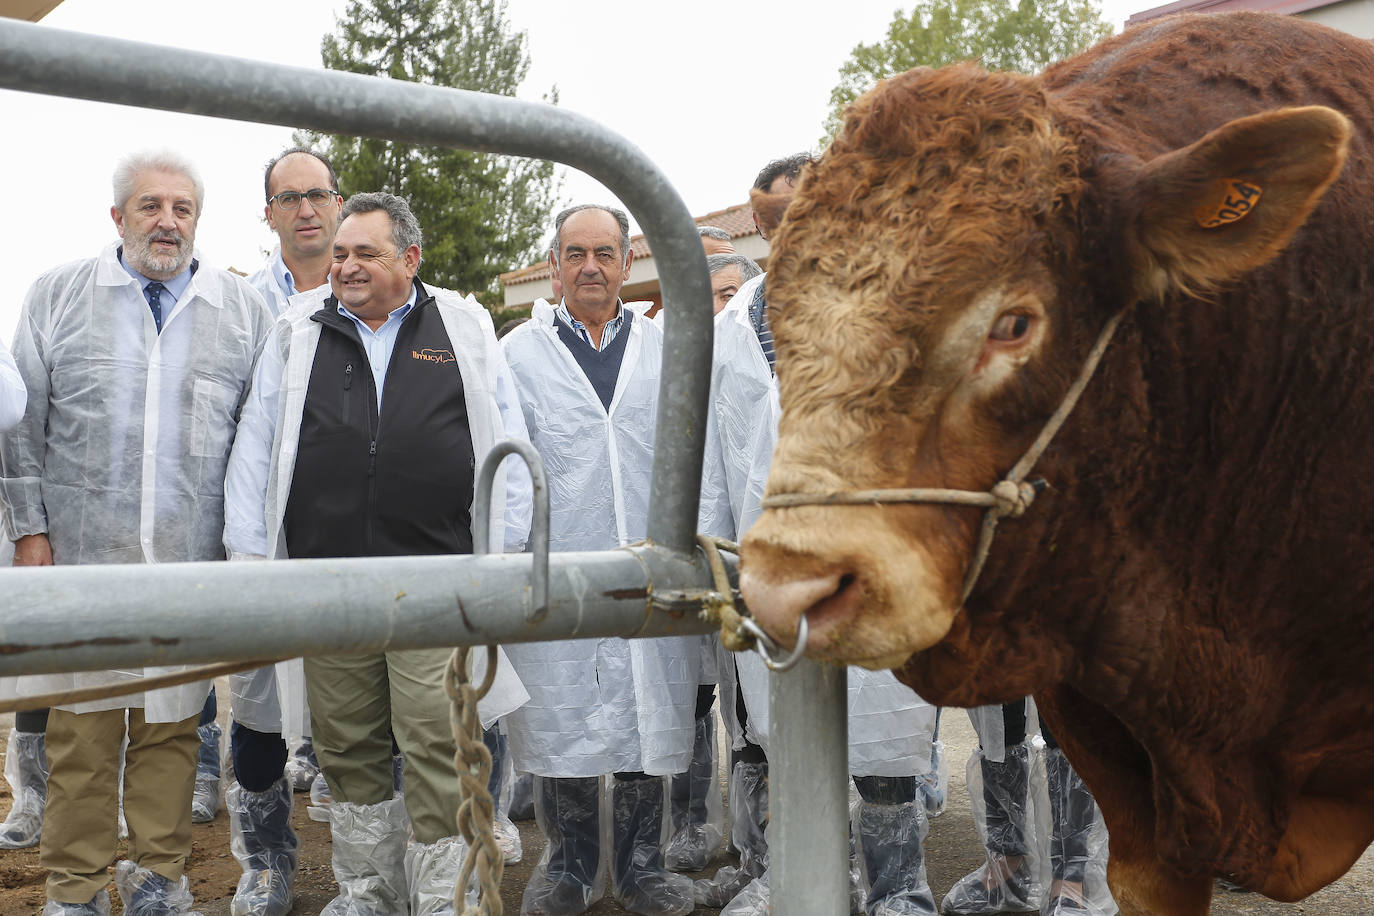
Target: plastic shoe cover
(319, 791)
(891, 858)
(369, 857)
(26, 770)
(934, 786)
(522, 798)
(1009, 881)
(749, 795)
(569, 877)
(508, 838)
(261, 839)
(205, 803)
(99, 906)
(302, 767)
(752, 900)
(697, 813)
(146, 893)
(1078, 845)
(642, 885)
(432, 871)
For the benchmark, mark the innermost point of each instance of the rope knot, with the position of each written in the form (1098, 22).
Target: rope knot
(1013, 498)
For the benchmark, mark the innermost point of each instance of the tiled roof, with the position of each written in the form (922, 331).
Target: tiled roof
(1286, 7)
(736, 220)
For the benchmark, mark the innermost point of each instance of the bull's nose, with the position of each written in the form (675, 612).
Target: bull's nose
(778, 606)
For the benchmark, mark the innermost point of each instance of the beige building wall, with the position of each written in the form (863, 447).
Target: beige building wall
(1353, 16)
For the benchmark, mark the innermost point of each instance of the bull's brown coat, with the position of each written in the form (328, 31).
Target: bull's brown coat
(1191, 601)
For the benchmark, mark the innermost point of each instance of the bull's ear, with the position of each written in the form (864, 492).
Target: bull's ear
(1232, 200)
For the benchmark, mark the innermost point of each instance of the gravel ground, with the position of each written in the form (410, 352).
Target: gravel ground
(952, 850)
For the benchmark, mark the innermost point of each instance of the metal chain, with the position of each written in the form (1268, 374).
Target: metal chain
(476, 812)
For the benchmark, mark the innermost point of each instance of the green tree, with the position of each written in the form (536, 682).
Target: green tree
(481, 214)
(1024, 36)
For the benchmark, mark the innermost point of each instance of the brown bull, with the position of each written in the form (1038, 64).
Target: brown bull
(1192, 599)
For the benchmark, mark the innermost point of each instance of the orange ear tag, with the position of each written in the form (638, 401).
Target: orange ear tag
(1228, 200)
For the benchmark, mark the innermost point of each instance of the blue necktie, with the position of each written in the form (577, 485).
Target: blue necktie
(154, 293)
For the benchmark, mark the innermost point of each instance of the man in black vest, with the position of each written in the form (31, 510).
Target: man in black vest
(387, 395)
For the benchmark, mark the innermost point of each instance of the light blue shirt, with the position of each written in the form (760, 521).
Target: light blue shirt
(171, 289)
(381, 342)
(608, 333)
(282, 274)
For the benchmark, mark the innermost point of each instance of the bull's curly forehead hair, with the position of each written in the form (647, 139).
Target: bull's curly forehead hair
(968, 167)
(940, 183)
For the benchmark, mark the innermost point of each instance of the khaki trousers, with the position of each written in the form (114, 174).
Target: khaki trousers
(357, 702)
(80, 821)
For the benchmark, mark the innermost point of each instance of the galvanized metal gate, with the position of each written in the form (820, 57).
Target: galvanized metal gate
(86, 618)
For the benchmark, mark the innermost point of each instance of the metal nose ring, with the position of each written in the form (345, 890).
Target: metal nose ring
(770, 651)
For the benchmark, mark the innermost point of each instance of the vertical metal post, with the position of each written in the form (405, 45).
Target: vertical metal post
(808, 797)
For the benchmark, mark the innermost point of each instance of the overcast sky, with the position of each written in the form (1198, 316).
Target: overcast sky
(709, 92)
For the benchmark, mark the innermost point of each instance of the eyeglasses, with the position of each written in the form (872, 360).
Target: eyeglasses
(291, 200)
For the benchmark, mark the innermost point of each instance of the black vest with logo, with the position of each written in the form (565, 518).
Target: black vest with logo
(396, 485)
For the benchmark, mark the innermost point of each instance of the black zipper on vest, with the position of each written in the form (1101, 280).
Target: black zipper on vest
(373, 429)
(348, 383)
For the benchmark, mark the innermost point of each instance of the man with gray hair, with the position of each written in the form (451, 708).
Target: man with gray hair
(137, 363)
(587, 369)
(372, 407)
(728, 273)
(715, 240)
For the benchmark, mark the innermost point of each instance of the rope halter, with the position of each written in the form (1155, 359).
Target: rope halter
(1008, 498)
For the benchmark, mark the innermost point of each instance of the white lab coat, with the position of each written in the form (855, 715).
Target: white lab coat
(890, 727)
(13, 395)
(268, 283)
(256, 697)
(121, 454)
(258, 483)
(597, 705)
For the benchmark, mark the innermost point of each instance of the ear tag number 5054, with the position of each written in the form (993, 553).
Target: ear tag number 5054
(1230, 199)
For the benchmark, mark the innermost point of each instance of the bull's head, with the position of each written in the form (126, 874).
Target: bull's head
(939, 277)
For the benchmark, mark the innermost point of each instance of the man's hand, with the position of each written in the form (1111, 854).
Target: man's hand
(33, 550)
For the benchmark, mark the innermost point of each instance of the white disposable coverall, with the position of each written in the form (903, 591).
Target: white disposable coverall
(269, 283)
(120, 457)
(256, 696)
(890, 726)
(12, 391)
(597, 705)
(258, 483)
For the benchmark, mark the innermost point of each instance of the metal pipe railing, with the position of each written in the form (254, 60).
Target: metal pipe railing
(538, 607)
(808, 754)
(56, 62)
(82, 618)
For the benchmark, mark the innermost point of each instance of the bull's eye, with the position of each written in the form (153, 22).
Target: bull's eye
(1010, 326)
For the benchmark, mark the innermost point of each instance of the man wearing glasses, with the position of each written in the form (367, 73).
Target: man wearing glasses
(303, 206)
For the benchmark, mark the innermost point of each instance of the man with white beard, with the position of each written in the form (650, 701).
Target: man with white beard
(136, 363)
